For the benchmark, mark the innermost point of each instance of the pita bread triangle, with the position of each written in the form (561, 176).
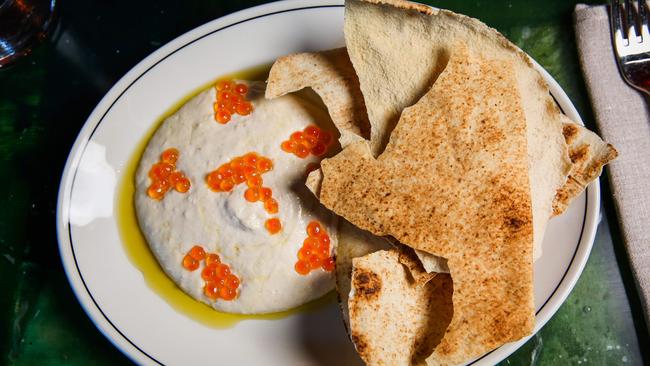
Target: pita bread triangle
(330, 74)
(394, 319)
(453, 182)
(399, 48)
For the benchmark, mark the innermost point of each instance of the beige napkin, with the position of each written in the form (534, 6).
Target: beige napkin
(623, 117)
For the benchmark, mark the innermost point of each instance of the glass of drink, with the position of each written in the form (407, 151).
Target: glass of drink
(22, 24)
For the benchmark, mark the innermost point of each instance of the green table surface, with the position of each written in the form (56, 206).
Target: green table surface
(47, 96)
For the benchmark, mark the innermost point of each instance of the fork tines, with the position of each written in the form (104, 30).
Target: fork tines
(631, 40)
(630, 24)
(631, 20)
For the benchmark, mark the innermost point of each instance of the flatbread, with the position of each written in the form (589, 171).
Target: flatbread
(453, 182)
(356, 243)
(588, 153)
(395, 320)
(352, 243)
(432, 263)
(287, 77)
(392, 75)
(399, 48)
(346, 106)
(331, 76)
(409, 260)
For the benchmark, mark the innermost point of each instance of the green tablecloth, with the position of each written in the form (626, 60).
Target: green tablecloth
(46, 97)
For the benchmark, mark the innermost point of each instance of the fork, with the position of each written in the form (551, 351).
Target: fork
(631, 38)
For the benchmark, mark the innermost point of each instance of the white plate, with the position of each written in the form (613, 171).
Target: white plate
(113, 292)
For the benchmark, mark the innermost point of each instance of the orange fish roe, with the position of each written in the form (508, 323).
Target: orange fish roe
(190, 263)
(271, 206)
(314, 229)
(247, 169)
(219, 281)
(264, 165)
(212, 258)
(302, 267)
(315, 251)
(197, 252)
(310, 140)
(252, 194)
(164, 176)
(231, 99)
(265, 194)
(273, 225)
(169, 156)
(328, 264)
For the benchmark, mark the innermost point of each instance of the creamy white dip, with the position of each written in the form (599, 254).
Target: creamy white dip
(224, 222)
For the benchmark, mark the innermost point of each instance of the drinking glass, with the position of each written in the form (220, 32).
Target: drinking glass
(22, 24)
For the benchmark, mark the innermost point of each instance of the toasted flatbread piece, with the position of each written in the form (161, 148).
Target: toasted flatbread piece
(355, 243)
(399, 48)
(410, 260)
(289, 76)
(453, 182)
(352, 243)
(588, 153)
(587, 169)
(395, 320)
(331, 76)
(394, 66)
(432, 263)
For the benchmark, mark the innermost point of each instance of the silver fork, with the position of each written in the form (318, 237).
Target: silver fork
(631, 38)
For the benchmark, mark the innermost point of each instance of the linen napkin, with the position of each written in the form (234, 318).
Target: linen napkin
(623, 117)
